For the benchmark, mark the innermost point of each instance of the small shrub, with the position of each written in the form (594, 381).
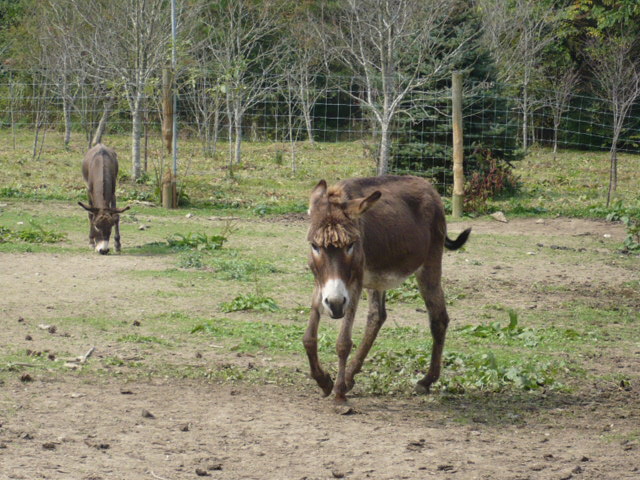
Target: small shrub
(492, 178)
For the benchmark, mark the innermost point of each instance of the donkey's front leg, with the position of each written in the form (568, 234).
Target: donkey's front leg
(343, 349)
(310, 342)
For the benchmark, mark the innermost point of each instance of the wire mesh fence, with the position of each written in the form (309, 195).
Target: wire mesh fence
(328, 111)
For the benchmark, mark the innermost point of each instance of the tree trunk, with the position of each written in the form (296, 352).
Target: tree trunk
(525, 118)
(308, 123)
(237, 118)
(216, 126)
(556, 126)
(66, 108)
(385, 145)
(136, 133)
(613, 173)
(102, 124)
(613, 170)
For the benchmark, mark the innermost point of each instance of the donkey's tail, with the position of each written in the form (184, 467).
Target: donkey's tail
(458, 242)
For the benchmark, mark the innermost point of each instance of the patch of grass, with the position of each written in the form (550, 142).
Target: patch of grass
(146, 339)
(254, 336)
(191, 259)
(236, 267)
(33, 234)
(400, 358)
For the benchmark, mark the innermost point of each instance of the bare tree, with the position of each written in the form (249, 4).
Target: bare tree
(304, 62)
(561, 87)
(204, 102)
(126, 41)
(615, 64)
(61, 64)
(242, 43)
(517, 33)
(391, 47)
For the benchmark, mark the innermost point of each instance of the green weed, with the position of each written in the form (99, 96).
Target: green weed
(196, 241)
(250, 301)
(406, 293)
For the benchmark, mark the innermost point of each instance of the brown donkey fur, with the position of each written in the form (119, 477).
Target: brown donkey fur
(373, 233)
(100, 171)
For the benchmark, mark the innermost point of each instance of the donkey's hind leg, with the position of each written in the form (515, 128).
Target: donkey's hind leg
(428, 278)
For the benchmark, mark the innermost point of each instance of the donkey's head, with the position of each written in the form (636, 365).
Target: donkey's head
(102, 222)
(337, 256)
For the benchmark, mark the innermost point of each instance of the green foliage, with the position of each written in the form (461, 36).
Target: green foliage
(496, 331)
(395, 371)
(405, 293)
(484, 372)
(250, 301)
(196, 241)
(630, 217)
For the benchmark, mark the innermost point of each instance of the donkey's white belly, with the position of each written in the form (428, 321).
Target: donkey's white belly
(382, 281)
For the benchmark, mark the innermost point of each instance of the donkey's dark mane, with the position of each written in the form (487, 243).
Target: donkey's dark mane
(333, 228)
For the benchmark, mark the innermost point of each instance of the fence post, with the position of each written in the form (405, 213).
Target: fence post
(458, 151)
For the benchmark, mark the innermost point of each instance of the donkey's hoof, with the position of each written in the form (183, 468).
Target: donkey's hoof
(326, 385)
(421, 389)
(340, 400)
(350, 384)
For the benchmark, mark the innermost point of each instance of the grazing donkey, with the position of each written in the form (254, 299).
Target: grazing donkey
(374, 233)
(100, 171)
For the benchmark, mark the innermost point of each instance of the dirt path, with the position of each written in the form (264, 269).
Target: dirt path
(91, 426)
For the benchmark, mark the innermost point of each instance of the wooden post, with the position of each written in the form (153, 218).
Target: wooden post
(458, 151)
(169, 178)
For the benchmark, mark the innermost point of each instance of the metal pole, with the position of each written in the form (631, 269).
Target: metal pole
(458, 151)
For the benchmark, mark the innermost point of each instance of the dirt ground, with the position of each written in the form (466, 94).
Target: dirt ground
(91, 427)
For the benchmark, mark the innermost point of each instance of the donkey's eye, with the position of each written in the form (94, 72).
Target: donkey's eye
(350, 248)
(315, 248)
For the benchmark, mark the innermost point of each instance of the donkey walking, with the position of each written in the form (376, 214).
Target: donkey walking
(373, 233)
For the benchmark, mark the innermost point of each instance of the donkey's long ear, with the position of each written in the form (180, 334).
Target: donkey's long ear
(88, 209)
(318, 192)
(358, 206)
(120, 210)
